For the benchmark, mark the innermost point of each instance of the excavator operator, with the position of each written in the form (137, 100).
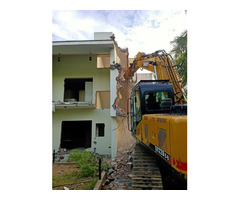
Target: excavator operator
(151, 101)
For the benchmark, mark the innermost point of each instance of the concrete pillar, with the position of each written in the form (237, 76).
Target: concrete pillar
(113, 138)
(88, 92)
(113, 95)
(113, 84)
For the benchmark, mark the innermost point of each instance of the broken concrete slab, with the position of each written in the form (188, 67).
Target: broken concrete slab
(121, 172)
(100, 183)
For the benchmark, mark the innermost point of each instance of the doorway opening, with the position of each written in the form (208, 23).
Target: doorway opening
(76, 134)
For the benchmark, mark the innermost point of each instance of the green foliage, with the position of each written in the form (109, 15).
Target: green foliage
(88, 170)
(84, 160)
(91, 184)
(180, 55)
(82, 157)
(104, 166)
(74, 156)
(72, 176)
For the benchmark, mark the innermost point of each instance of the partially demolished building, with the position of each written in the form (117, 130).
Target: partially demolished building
(89, 95)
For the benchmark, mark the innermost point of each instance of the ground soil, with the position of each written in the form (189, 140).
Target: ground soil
(69, 175)
(59, 169)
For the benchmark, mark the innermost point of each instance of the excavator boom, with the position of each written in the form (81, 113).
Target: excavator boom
(160, 63)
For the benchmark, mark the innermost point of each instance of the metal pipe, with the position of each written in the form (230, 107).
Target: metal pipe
(53, 155)
(99, 169)
(155, 69)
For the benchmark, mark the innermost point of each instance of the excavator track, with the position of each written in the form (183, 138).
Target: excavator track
(146, 173)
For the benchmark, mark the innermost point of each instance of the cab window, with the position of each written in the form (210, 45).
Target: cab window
(157, 101)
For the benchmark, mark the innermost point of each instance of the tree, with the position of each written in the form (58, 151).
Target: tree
(180, 55)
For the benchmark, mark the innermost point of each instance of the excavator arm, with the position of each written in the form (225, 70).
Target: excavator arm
(160, 63)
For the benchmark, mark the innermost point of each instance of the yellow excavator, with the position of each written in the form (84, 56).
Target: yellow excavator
(157, 116)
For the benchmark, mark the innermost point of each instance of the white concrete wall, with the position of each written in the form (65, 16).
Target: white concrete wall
(113, 138)
(113, 84)
(102, 35)
(76, 66)
(103, 144)
(113, 96)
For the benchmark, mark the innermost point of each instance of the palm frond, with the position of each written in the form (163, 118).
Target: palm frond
(180, 55)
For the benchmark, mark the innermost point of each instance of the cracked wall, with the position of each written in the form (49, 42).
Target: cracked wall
(124, 137)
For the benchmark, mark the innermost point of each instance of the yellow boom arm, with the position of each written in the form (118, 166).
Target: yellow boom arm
(162, 66)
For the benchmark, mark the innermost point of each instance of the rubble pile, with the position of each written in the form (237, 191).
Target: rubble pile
(119, 176)
(61, 155)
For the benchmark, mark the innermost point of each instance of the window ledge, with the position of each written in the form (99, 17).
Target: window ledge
(73, 105)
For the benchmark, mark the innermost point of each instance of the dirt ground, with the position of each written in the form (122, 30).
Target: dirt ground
(58, 169)
(69, 176)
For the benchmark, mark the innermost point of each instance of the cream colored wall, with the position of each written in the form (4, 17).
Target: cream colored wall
(80, 67)
(96, 116)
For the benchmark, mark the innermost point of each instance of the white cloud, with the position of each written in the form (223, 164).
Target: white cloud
(155, 33)
(145, 31)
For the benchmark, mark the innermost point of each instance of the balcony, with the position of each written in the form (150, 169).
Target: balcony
(71, 105)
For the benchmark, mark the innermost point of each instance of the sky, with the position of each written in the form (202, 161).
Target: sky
(138, 30)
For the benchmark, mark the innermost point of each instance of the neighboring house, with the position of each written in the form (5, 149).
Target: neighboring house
(142, 76)
(83, 92)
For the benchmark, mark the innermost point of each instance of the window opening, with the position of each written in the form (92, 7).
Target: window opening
(137, 116)
(100, 130)
(78, 89)
(160, 101)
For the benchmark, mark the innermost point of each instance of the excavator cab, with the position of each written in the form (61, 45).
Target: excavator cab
(150, 97)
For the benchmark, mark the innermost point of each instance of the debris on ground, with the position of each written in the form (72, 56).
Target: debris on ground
(119, 176)
(66, 188)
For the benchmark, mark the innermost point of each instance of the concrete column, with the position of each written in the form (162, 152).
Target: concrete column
(113, 95)
(113, 84)
(113, 138)
(56, 131)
